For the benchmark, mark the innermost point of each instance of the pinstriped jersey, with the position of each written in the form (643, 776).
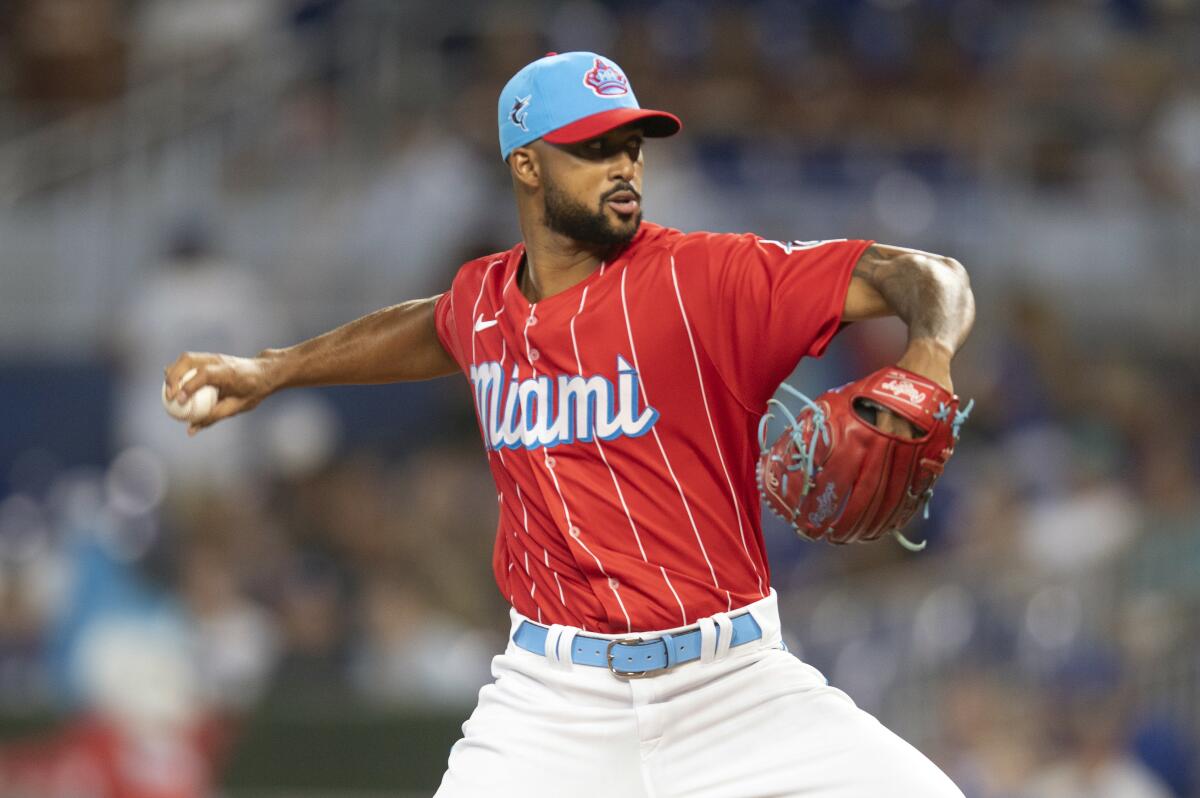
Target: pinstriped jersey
(620, 417)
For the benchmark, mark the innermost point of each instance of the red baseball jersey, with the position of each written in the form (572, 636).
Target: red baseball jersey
(621, 416)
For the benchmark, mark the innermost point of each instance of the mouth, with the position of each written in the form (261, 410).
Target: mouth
(624, 202)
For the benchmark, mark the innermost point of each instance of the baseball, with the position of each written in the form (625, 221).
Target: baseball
(198, 405)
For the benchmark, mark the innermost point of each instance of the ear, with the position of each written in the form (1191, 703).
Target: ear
(526, 167)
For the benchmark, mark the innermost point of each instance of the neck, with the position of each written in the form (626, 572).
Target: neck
(554, 262)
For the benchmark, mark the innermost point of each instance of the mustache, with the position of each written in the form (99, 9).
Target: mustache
(619, 188)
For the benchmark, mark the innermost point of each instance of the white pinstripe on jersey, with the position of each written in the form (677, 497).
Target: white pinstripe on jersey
(737, 505)
(454, 314)
(574, 532)
(679, 601)
(520, 499)
(666, 460)
(616, 484)
(525, 524)
(525, 510)
(475, 308)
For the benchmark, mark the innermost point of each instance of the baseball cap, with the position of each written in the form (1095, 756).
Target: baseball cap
(570, 97)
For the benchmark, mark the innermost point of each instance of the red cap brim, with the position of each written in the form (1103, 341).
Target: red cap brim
(654, 124)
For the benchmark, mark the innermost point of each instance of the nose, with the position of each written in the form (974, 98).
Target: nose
(623, 166)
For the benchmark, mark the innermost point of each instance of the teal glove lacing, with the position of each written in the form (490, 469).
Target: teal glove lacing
(802, 458)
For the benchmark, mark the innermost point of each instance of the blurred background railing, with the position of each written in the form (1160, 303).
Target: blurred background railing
(255, 609)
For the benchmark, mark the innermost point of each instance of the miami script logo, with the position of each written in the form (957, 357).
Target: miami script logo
(549, 411)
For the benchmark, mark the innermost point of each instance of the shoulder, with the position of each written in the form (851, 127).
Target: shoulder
(653, 238)
(472, 274)
(703, 247)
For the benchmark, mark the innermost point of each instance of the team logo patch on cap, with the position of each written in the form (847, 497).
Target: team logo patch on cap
(605, 80)
(519, 111)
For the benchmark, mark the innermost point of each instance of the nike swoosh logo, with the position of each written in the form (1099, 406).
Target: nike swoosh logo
(481, 325)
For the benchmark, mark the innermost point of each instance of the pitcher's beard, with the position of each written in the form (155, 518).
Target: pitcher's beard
(573, 219)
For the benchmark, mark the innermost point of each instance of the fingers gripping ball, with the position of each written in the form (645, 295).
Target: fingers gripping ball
(836, 476)
(198, 405)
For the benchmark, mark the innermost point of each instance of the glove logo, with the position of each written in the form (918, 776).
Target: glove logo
(605, 80)
(903, 389)
(824, 506)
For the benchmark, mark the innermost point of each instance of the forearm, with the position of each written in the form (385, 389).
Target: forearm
(930, 293)
(394, 344)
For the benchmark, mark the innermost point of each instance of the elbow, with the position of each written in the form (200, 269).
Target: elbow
(957, 272)
(959, 278)
(949, 275)
(957, 296)
(947, 286)
(943, 269)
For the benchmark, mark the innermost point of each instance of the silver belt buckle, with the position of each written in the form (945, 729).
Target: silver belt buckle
(608, 655)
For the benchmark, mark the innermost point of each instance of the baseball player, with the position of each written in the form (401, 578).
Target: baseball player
(620, 370)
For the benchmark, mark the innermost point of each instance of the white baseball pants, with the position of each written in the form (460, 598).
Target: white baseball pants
(752, 721)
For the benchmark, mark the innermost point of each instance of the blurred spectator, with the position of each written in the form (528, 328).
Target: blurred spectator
(237, 642)
(169, 32)
(1088, 521)
(992, 744)
(140, 727)
(69, 51)
(1088, 712)
(413, 652)
(193, 300)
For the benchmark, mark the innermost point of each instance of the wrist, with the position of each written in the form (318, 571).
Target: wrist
(273, 365)
(930, 359)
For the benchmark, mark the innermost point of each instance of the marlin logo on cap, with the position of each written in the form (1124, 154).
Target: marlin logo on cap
(519, 111)
(606, 80)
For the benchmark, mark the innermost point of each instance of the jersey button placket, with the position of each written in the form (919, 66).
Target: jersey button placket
(548, 460)
(531, 351)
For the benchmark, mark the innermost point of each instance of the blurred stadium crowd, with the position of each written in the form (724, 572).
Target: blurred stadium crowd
(237, 174)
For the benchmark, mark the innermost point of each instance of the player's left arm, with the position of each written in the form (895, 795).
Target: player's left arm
(930, 293)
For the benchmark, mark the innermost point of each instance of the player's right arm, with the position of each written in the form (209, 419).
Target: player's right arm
(395, 344)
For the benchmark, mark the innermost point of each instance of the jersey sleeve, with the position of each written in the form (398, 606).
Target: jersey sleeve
(446, 323)
(759, 306)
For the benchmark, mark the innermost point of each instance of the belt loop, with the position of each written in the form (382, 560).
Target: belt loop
(672, 652)
(725, 639)
(708, 639)
(552, 636)
(566, 640)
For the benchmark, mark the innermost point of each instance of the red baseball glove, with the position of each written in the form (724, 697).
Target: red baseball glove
(836, 476)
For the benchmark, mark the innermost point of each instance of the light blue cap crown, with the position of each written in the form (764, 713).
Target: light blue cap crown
(580, 95)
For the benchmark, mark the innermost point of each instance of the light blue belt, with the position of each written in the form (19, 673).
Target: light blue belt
(633, 657)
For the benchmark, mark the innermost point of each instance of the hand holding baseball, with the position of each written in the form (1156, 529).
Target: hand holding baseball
(202, 388)
(195, 408)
